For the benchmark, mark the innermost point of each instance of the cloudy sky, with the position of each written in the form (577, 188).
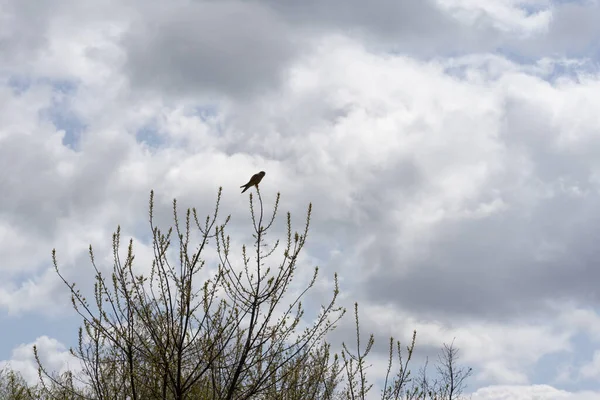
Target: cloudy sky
(450, 148)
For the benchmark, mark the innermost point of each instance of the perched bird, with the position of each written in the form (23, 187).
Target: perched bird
(254, 181)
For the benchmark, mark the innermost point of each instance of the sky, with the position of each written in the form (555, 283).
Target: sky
(450, 149)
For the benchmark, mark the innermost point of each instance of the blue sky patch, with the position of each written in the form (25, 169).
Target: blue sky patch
(150, 136)
(60, 114)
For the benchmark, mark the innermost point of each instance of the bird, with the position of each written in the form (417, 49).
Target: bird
(254, 181)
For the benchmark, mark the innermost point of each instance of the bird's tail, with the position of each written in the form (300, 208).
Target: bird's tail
(245, 188)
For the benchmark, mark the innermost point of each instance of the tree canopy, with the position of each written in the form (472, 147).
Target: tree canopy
(182, 328)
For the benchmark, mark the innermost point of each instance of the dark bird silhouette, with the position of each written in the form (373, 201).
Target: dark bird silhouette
(254, 181)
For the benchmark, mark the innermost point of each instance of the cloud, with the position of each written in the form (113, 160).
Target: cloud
(420, 23)
(188, 48)
(23, 27)
(541, 392)
(479, 189)
(53, 355)
(197, 48)
(522, 28)
(500, 352)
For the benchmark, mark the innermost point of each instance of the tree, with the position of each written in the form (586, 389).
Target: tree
(184, 330)
(450, 381)
(13, 386)
(166, 335)
(452, 375)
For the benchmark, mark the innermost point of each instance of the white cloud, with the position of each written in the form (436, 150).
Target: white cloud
(53, 355)
(537, 392)
(509, 16)
(502, 352)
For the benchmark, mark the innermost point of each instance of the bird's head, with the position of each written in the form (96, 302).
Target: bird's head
(262, 173)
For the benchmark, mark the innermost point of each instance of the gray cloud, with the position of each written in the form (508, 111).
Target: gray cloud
(23, 25)
(425, 29)
(490, 268)
(205, 47)
(420, 21)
